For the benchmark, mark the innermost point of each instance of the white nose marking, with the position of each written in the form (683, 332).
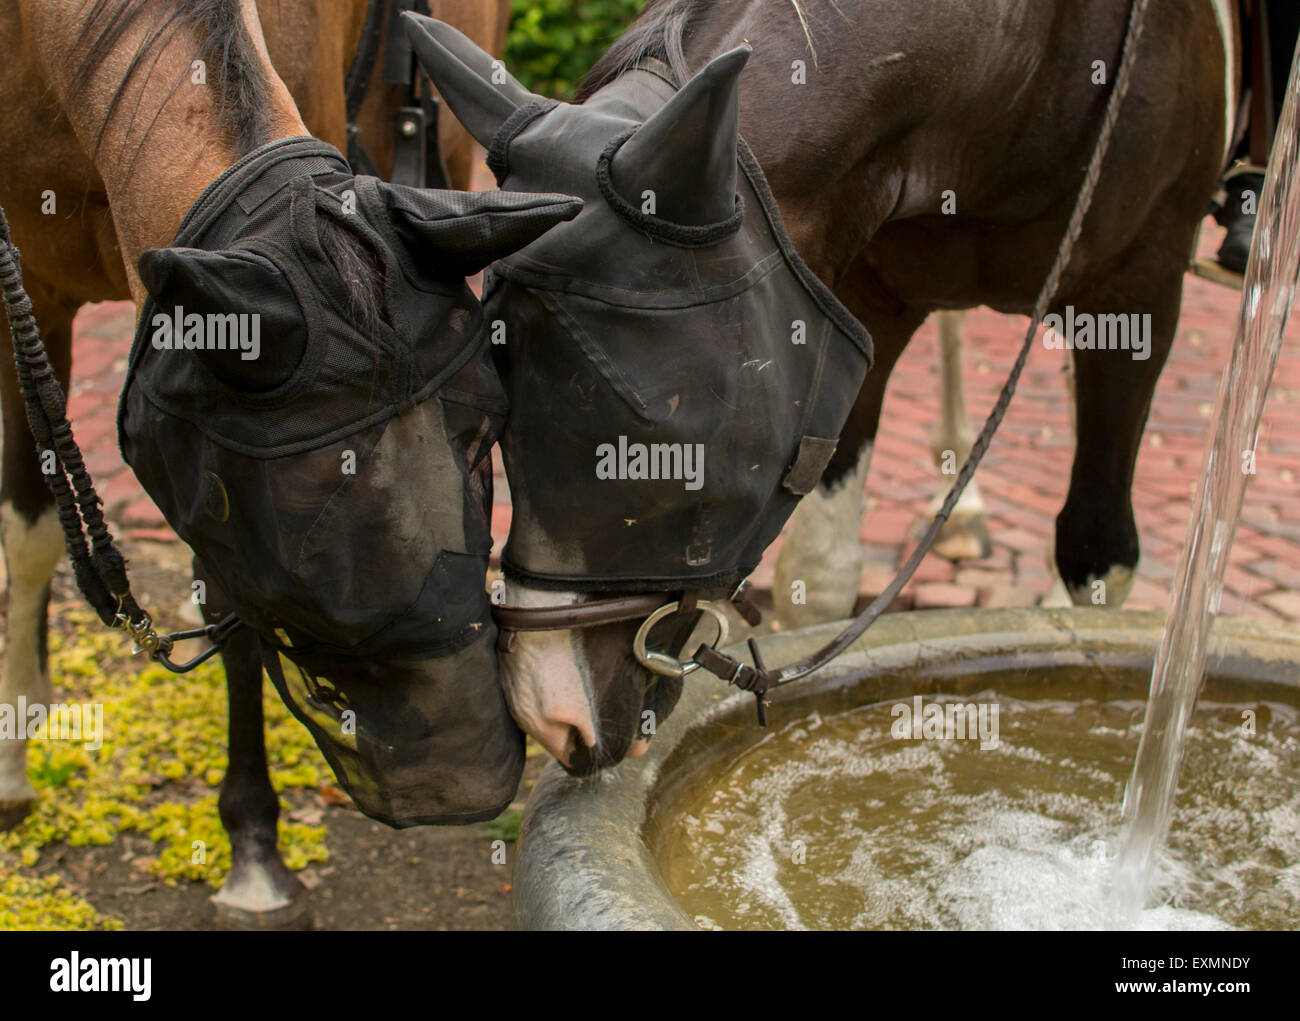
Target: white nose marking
(546, 679)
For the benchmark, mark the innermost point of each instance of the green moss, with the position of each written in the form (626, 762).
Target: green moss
(31, 902)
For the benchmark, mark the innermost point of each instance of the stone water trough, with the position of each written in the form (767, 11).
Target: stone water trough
(590, 849)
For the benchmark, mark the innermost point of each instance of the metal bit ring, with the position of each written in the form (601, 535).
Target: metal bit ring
(670, 666)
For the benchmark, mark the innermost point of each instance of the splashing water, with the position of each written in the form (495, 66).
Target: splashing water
(834, 822)
(1270, 286)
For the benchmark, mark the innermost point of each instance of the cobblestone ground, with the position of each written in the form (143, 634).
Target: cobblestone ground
(1023, 478)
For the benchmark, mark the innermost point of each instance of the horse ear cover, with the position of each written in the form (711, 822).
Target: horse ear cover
(219, 283)
(465, 232)
(686, 153)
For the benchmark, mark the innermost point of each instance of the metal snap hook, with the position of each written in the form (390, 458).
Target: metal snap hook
(670, 666)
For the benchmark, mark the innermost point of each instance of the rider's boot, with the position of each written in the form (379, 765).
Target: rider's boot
(1244, 185)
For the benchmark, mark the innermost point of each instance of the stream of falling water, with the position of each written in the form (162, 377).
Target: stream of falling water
(1270, 286)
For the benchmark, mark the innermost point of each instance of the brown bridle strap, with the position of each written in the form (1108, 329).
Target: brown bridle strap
(611, 611)
(513, 619)
(579, 615)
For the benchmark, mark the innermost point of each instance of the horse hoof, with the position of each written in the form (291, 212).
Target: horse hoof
(14, 811)
(262, 898)
(295, 915)
(965, 538)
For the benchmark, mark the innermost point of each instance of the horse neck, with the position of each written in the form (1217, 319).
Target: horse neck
(162, 141)
(312, 42)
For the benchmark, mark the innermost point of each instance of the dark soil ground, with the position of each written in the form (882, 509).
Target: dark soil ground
(376, 878)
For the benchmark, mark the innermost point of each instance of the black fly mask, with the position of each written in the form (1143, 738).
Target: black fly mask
(310, 403)
(677, 375)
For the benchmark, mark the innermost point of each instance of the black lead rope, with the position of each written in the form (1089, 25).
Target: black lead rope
(758, 679)
(97, 563)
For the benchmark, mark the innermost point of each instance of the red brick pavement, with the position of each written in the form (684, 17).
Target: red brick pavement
(1023, 477)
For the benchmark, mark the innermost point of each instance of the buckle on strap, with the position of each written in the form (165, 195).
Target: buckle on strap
(755, 679)
(744, 605)
(159, 646)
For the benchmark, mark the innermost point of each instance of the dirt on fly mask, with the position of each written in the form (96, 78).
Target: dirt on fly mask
(677, 375)
(326, 455)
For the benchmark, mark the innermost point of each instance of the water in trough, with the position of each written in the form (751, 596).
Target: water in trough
(837, 822)
(834, 822)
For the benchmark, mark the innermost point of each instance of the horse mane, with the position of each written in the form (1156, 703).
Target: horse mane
(243, 102)
(358, 267)
(240, 87)
(658, 33)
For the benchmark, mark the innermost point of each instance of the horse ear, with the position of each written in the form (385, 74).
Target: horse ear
(477, 87)
(463, 231)
(266, 341)
(686, 153)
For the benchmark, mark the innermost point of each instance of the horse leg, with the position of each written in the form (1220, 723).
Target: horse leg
(260, 892)
(1058, 596)
(820, 564)
(965, 536)
(1096, 535)
(33, 544)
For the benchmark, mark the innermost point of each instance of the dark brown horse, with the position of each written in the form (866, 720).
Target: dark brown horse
(925, 156)
(118, 186)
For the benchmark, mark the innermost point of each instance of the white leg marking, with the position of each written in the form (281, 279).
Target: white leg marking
(1225, 16)
(255, 890)
(969, 505)
(965, 535)
(821, 558)
(547, 679)
(31, 554)
(1058, 597)
(1118, 583)
(952, 433)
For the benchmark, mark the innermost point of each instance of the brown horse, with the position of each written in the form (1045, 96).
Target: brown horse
(82, 215)
(925, 156)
